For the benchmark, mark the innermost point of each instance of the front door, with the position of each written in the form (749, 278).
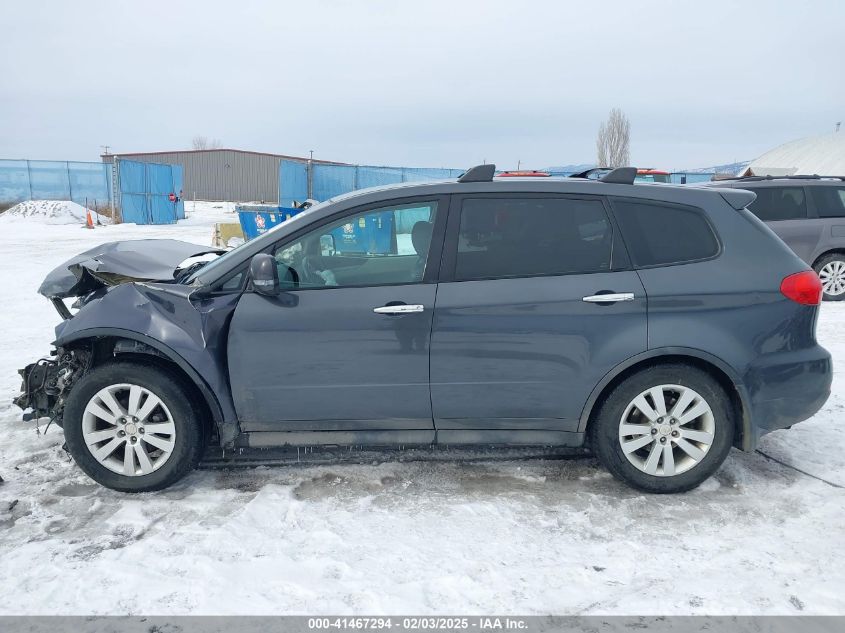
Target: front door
(525, 325)
(345, 347)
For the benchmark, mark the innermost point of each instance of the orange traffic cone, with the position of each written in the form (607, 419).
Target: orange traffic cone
(89, 223)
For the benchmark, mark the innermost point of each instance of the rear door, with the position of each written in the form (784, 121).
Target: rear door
(521, 334)
(827, 202)
(786, 211)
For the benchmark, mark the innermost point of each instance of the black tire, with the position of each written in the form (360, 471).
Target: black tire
(604, 429)
(824, 261)
(169, 387)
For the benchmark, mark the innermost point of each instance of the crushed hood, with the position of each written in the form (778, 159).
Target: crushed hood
(115, 263)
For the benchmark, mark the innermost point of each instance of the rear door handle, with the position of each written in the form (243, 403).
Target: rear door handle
(611, 297)
(399, 309)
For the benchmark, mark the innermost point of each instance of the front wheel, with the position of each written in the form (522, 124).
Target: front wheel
(831, 272)
(664, 429)
(131, 427)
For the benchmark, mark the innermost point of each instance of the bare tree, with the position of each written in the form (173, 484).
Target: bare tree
(614, 141)
(203, 142)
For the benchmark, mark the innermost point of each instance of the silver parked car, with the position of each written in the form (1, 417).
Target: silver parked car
(808, 213)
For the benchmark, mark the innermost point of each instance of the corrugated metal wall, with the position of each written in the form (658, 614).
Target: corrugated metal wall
(223, 174)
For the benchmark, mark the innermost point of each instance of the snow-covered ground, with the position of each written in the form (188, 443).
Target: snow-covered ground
(226, 210)
(522, 537)
(51, 212)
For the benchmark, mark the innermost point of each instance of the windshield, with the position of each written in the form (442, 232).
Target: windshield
(210, 265)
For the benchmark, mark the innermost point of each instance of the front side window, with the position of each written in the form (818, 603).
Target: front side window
(829, 201)
(384, 246)
(778, 203)
(513, 237)
(659, 234)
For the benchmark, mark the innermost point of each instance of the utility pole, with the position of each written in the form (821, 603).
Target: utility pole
(310, 173)
(105, 149)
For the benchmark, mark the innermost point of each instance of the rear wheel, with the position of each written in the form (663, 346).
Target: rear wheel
(831, 271)
(664, 429)
(132, 428)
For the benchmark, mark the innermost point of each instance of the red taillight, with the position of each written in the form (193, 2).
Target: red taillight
(804, 288)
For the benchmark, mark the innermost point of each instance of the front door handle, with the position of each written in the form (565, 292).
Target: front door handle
(611, 297)
(399, 309)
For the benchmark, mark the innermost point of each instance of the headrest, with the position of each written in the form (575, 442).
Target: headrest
(421, 236)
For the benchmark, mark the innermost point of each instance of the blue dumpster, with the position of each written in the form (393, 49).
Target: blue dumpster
(257, 219)
(371, 234)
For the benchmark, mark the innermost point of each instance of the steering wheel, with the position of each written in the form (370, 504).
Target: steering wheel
(309, 272)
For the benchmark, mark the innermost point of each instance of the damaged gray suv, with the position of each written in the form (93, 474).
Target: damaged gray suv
(656, 326)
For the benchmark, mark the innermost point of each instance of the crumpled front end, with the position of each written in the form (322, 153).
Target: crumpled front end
(133, 302)
(90, 276)
(114, 263)
(47, 382)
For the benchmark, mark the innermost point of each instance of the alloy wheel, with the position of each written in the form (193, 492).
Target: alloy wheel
(667, 430)
(128, 429)
(832, 276)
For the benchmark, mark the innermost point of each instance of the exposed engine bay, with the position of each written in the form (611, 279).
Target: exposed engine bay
(47, 382)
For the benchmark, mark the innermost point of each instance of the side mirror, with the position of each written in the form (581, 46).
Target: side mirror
(264, 274)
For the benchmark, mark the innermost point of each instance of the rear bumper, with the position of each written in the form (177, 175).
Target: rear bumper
(787, 388)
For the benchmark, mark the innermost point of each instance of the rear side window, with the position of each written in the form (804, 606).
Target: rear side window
(657, 233)
(778, 203)
(514, 237)
(829, 201)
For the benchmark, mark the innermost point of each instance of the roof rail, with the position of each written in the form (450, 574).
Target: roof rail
(620, 176)
(479, 173)
(793, 177)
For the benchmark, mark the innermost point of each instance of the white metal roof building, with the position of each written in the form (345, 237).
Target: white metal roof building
(822, 155)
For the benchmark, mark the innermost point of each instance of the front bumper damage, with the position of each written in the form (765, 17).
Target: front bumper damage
(47, 382)
(88, 276)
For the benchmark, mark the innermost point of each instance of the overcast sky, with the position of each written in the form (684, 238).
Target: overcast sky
(420, 83)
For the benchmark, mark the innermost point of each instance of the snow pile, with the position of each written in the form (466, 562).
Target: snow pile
(51, 212)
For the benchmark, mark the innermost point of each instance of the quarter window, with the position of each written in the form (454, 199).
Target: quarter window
(514, 237)
(384, 246)
(829, 201)
(233, 284)
(659, 234)
(779, 203)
